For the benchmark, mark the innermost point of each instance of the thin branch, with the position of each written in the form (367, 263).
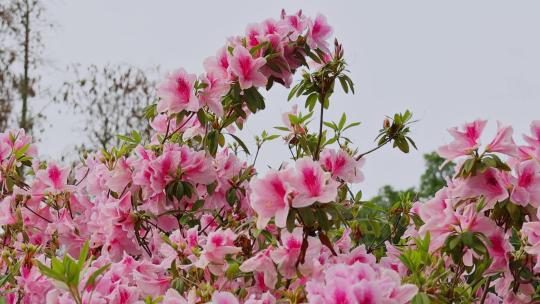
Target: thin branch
(373, 150)
(321, 120)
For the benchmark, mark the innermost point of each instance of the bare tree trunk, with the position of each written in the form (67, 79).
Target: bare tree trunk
(26, 81)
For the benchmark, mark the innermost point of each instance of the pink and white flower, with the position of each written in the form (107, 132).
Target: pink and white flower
(311, 184)
(465, 141)
(246, 68)
(270, 198)
(177, 93)
(342, 165)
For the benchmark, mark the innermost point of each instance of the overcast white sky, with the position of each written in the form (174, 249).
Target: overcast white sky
(448, 62)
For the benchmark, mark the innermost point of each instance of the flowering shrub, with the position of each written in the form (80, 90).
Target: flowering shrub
(182, 218)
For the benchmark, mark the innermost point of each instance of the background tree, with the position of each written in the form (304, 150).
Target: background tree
(7, 60)
(384, 218)
(433, 179)
(21, 31)
(111, 99)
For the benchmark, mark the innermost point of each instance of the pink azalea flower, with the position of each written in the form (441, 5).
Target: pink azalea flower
(464, 141)
(33, 283)
(532, 231)
(295, 24)
(527, 187)
(153, 279)
(529, 152)
(269, 198)
(271, 26)
(6, 214)
(311, 184)
(219, 243)
(161, 123)
(120, 177)
(177, 93)
(499, 250)
(439, 217)
(21, 139)
(319, 32)
(266, 298)
(173, 297)
(164, 168)
(287, 120)
(5, 151)
(224, 297)
(359, 283)
(503, 141)
(54, 177)
(283, 75)
(490, 184)
(262, 262)
(358, 254)
(534, 139)
(253, 31)
(342, 165)
(470, 220)
(246, 68)
(218, 65)
(216, 88)
(287, 254)
(196, 166)
(121, 294)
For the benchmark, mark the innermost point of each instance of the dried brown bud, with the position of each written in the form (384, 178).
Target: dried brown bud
(386, 123)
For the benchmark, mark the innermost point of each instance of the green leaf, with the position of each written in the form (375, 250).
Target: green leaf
(136, 136)
(322, 219)
(311, 100)
(342, 121)
(20, 152)
(4, 279)
(467, 238)
(421, 298)
(358, 196)
(257, 48)
(307, 216)
(412, 142)
(201, 116)
(231, 196)
(125, 138)
(211, 188)
(291, 217)
(179, 191)
(293, 92)
(344, 85)
(354, 124)
(83, 255)
(49, 272)
(94, 275)
(212, 144)
(351, 84)
(188, 189)
(402, 145)
(150, 111)
(271, 137)
(232, 270)
(240, 142)
(314, 57)
(197, 205)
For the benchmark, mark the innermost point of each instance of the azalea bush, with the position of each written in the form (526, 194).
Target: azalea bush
(185, 217)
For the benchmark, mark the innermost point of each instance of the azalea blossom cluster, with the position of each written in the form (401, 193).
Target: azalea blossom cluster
(482, 224)
(184, 216)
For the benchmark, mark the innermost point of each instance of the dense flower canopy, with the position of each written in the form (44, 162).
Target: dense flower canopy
(184, 217)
